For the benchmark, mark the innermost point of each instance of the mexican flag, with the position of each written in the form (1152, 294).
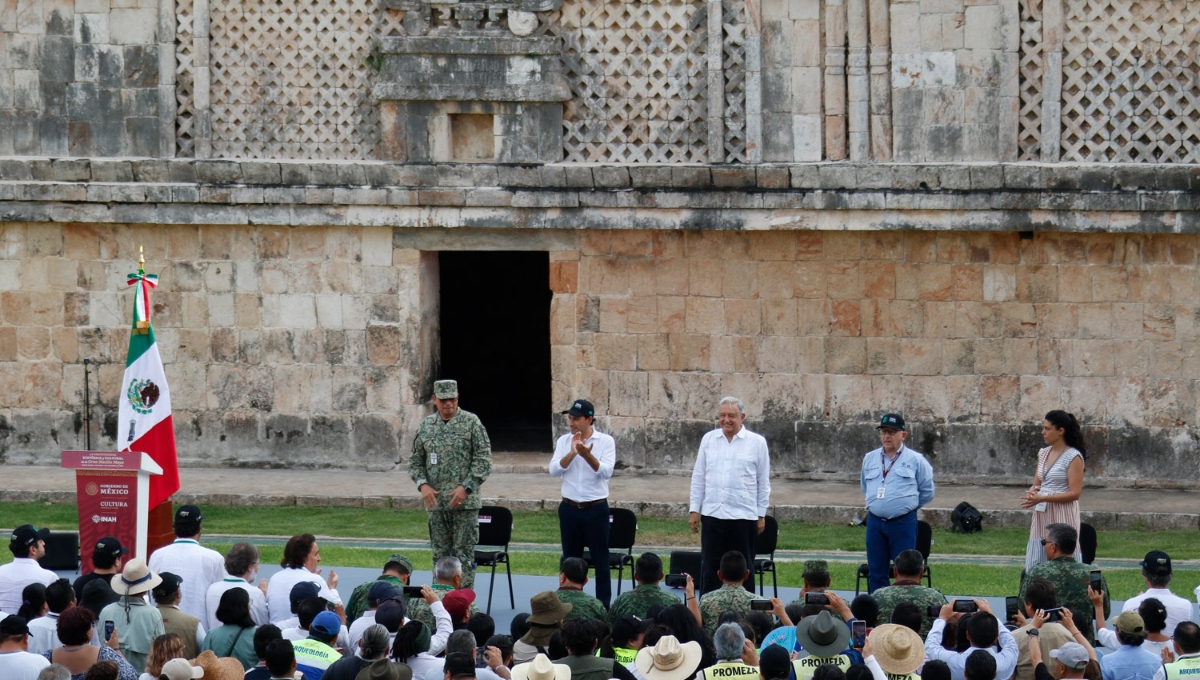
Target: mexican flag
(144, 423)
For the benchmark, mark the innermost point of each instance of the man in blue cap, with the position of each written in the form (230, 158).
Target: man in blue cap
(584, 459)
(896, 481)
(316, 653)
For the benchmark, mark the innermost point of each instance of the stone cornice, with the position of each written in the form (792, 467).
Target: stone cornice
(1059, 197)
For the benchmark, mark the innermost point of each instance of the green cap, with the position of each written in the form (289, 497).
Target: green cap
(815, 568)
(445, 389)
(1131, 623)
(402, 561)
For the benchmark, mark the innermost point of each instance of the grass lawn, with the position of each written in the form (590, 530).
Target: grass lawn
(542, 527)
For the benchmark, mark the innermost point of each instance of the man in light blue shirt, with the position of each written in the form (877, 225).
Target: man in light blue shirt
(896, 481)
(983, 632)
(1130, 661)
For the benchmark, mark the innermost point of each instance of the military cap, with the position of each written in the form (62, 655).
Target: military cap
(445, 389)
(816, 568)
(402, 561)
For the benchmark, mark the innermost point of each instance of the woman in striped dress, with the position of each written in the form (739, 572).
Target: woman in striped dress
(1054, 496)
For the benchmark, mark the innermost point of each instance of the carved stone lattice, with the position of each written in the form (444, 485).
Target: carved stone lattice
(733, 20)
(185, 144)
(1032, 72)
(637, 74)
(292, 79)
(1130, 92)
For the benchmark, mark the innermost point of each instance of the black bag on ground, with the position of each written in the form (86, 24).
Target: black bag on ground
(966, 519)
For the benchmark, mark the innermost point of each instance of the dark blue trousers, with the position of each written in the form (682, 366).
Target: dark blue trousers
(885, 540)
(588, 528)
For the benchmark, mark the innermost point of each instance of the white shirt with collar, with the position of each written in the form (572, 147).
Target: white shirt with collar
(359, 626)
(17, 574)
(1006, 658)
(1178, 609)
(258, 601)
(732, 479)
(43, 633)
(1161, 673)
(580, 482)
(199, 567)
(279, 591)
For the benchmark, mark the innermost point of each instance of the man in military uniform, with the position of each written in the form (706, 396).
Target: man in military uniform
(910, 567)
(447, 577)
(816, 579)
(572, 577)
(731, 596)
(397, 571)
(1070, 578)
(648, 570)
(451, 458)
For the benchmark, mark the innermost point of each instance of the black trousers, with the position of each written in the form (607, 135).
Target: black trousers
(719, 536)
(588, 528)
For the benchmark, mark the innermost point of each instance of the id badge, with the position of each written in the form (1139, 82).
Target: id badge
(433, 457)
(1040, 507)
(879, 494)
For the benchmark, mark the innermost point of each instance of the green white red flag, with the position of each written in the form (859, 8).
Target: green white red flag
(144, 423)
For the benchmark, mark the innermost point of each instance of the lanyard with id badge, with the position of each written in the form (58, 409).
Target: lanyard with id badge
(886, 469)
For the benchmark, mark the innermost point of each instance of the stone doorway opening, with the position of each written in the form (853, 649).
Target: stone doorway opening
(495, 331)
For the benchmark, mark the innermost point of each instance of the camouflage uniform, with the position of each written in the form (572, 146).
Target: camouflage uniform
(890, 596)
(813, 568)
(729, 597)
(448, 454)
(800, 603)
(1070, 579)
(418, 609)
(583, 606)
(358, 599)
(639, 601)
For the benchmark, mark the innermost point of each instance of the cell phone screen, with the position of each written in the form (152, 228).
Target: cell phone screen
(965, 606)
(1010, 608)
(480, 661)
(858, 631)
(816, 598)
(412, 591)
(760, 605)
(109, 627)
(1096, 580)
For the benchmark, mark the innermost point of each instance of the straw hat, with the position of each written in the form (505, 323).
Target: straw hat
(219, 668)
(541, 669)
(669, 660)
(898, 649)
(136, 578)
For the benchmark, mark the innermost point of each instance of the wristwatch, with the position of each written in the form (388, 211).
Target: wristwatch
(1033, 631)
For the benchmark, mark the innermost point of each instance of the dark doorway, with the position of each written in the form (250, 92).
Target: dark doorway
(495, 326)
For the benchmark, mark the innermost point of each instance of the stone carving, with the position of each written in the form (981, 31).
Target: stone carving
(183, 79)
(733, 23)
(1032, 75)
(522, 23)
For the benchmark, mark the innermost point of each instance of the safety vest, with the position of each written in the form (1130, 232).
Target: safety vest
(1184, 669)
(314, 657)
(906, 676)
(729, 670)
(806, 666)
(623, 655)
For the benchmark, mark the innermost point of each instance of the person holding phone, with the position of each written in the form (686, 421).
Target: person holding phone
(584, 459)
(1039, 597)
(1069, 576)
(896, 482)
(984, 632)
(1057, 484)
(135, 621)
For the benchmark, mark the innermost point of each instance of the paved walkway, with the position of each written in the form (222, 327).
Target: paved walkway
(519, 481)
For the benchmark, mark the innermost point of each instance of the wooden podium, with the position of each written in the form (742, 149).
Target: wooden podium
(113, 491)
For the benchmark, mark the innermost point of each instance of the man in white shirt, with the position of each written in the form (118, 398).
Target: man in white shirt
(1156, 569)
(199, 567)
(731, 488)
(585, 458)
(983, 632)
(28, 545)
(379, 592)
(241, 568)
(301, 562)
(43, 631)
(16, 662)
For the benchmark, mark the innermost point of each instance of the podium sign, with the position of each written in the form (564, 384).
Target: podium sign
(113, 492)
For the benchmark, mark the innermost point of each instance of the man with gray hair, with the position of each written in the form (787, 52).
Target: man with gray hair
(447, 576)
(731, 489)
(463, 641)
(1069, 576)
(54, 672)
(730, 644)
(241, 568)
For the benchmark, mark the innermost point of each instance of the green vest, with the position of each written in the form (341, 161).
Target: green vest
(623, 655)
(806, 666)
(906, 676)
(729, 670)
(1182, 669)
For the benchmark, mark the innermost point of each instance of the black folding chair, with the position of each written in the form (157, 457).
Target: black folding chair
(685, 562)
(495, 529)
(924, 546)
(622, 534)
(1088, 542)
(765, 545)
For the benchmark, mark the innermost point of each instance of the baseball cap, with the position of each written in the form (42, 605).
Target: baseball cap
(13, 625)
(110, 547)
(1131, 622)
(458, 602)
(188, 516)
(816, 568)
(26, 535)
(581, 407)
(302, 591)
(445, 389)
(380, 591)
(629, 626)
(169, 586)
(326, 623)
(1072, 655)
(391, 614)
(894, 421)
(180, 669)
(401, 560)
(1157, 561)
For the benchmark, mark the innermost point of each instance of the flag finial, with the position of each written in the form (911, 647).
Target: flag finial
(141, 257)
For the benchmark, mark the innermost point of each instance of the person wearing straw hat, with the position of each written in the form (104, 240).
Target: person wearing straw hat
(136, 622)
(219, 668)
(541, 668)
(823, 639)
(895, 650)
(547, 617)
(669, 660)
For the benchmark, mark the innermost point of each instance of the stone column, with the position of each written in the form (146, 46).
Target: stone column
(835, 80)
(1052, 48)
(881, 82)
(753, 81)
(201, 75)
(166, 78)
(857, 83)
(716, 83)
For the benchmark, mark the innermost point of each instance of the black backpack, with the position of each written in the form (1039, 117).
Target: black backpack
(966, 519)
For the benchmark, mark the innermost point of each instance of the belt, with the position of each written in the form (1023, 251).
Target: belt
(583, 505)
(893, 519)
